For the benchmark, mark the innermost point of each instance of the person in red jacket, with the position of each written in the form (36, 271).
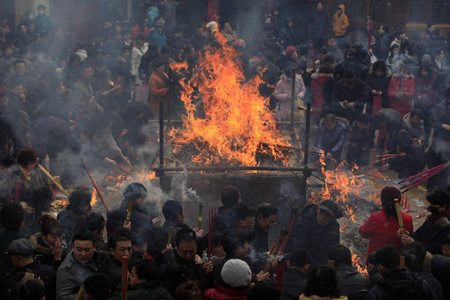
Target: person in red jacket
(234, 281)
(381, 228)
(401, 90)
(318, 80)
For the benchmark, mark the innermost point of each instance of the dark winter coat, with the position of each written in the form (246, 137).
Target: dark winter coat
(394, 123)
(179, 271)
(401, 284)
(43, 252)
(309, 235)
(144, 290)
(7, 269)
(432, 282)
(47, 274)
(356, 94)
(113, 269)
(432, 233)
(319, 23)
(293, 285)
(414, 159)
(331, 141)
(359, 68)
(260, 240)
(382, 46)
(352, 284)
(416, 132)
(158, 238)
(287, 36)
(439, 266)
(68, 219)
(439, 116)
(71, 275)
(357, 137)
(138, 218)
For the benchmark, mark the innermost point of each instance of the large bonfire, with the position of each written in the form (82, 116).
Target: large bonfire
(237, 122)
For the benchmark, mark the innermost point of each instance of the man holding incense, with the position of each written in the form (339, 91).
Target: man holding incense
(436, 227)
(77, 266)
(411, 159)
(134, 195)
(266, 217)
(316, 231)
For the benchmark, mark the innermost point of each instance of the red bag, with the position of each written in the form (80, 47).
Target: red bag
(141, 92)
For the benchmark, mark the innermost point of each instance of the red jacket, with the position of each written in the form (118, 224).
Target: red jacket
(406, 85)
(382, 232)
(316, 90)
(226, 293)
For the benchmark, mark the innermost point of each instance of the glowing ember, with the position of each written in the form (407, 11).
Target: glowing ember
(94, 198)
(145, 176)
(237, 119)
(357, 262)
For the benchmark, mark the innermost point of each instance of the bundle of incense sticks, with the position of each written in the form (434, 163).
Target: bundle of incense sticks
(315, 163)
(421, 177)
(283, 234)
(292, 221)
(212, 220)
(383, 158)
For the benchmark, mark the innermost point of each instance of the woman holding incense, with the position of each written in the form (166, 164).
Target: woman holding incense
(436, 227)
(381, 228)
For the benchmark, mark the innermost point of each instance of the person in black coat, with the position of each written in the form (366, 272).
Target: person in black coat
(21, 253)
(316, 231)
(358, 142)
(295, 277)
(414, 263)
(137, 193)
(372, 268)
(358, 65)
(331, 137)
(319, 24)
(436, 227)
(349, 96)
(173, 212)
(352, 284)
(412, 157)
(397, 283)
(383, 43)
(79, 204)
(119, 246)
(185, 265)
(230, 196)
(286, 34)
(266, 217)
(378, 82)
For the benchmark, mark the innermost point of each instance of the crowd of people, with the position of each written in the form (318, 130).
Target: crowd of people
(62, 99)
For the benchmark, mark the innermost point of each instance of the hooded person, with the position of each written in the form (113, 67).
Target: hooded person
(412, 157)
(437, 225)
(340, 25)
(291, 58)
(283, 93)
(136, 193)
(316, 230)
(319, 25)
(287, 34)
(233, 283)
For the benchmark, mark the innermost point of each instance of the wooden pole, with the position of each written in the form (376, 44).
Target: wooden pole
(80, 294)
(52, 179)
(95, 185)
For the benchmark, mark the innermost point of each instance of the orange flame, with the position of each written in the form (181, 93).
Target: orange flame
(357, 262)
(237, 119)
(111, 83)
(94, 198)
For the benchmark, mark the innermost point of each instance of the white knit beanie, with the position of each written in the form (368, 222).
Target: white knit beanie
(236, 273)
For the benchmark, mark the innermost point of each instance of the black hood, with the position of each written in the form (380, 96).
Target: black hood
(401, 284)
(404, 138)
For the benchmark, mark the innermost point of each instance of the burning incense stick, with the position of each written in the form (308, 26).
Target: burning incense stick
(124, 277)
(95, 185)
(292, 221)
(169, 239)
(281, 237)
(399, 216)
(52, 179)
(80, 294)
(212, 220)
(200, 216)
(130, 208)
(422, 173)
